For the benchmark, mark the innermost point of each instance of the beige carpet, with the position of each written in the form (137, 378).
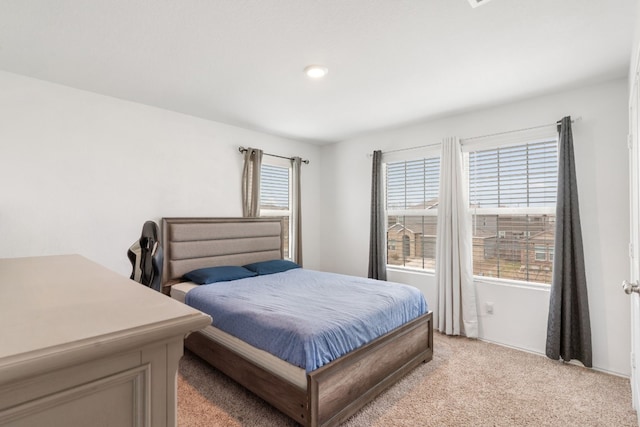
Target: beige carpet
(468, 383)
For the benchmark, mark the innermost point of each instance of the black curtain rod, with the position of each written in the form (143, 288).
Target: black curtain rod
(463, 140)
(242, 150)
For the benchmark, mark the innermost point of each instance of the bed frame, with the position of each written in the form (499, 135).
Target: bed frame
(335, 391)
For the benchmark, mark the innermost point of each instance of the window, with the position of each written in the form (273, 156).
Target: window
(541, 253)
(412, 201)
(512, 197)
(274, 196)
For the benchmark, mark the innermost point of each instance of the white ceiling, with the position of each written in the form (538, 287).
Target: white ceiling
(391, 62)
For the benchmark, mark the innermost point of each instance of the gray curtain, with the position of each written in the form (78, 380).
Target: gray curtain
(568, 327)
(296, 211)
(251, 182)
(377, 238)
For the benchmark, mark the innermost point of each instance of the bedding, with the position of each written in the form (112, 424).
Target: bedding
(267, 361)
(305, 317)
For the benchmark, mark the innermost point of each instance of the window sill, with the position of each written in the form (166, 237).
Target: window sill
(476, 279)
(512, 283)
(399, 269)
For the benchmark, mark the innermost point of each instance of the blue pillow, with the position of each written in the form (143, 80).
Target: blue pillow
(271, 267)
(203, 276)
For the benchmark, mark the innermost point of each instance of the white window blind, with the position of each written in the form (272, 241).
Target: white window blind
(413, 184)
(412, 199)
(275, 197)
(512, 197)
(274, 187)
(512, 177)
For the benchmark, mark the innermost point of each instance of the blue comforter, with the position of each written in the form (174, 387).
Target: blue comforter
(305, 317)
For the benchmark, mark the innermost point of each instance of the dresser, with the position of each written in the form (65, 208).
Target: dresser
(83, 346)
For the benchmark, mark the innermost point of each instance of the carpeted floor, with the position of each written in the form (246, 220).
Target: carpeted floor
(468, 383)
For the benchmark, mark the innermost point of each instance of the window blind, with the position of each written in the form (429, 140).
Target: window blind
(412, 199)
(274, 187)
(512, 194)
(413, 184)
(518, 176)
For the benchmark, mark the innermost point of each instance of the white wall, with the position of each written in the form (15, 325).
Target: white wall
(81, 172)
(520, 315)
(635, 50)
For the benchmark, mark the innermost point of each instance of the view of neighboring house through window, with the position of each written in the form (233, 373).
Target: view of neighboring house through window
(412, 201)
(512, 197)
(274, 196)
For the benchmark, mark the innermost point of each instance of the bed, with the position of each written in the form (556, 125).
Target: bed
(325, 396)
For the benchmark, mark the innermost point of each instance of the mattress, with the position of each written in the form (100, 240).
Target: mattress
(291, 373)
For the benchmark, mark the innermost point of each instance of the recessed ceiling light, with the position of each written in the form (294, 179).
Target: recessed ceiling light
(316, 71)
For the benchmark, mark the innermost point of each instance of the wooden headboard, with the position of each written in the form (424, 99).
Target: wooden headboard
(192, 243)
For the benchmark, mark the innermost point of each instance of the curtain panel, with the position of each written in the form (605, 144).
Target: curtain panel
(377, 235)
(296, 211)
(457, 312)
(568, 327)
(251, 182)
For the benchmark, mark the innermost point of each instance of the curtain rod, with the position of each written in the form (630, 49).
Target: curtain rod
(462, 140)
(242, 150)
(412, 148)
(577, 119)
